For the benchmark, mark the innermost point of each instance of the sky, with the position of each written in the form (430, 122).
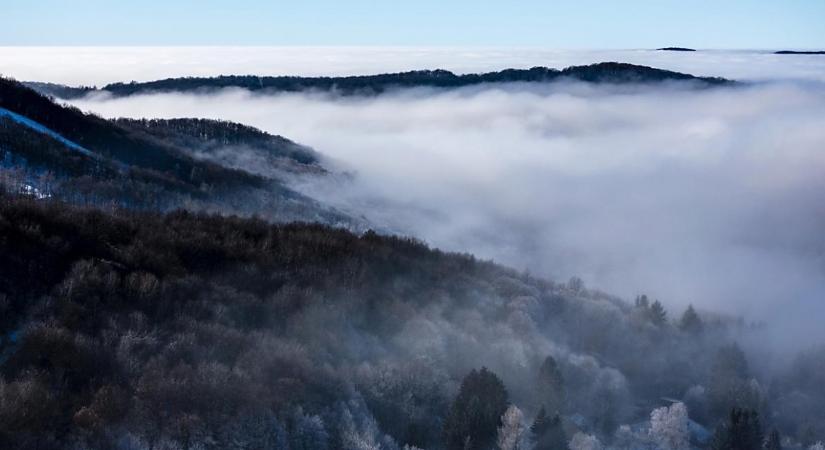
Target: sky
(707, 24)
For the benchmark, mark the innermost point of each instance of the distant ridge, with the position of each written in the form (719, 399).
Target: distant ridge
(606, 72)
(794, 52)
(676, 49)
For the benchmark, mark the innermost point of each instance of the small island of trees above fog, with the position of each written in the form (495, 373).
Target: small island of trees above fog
(157, 293)
(606, 72)
(800, 52)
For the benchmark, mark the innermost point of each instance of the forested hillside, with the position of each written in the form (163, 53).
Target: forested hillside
(157, 293)
(155, 165)
(232, 145)
(606, 72)
(141, 330)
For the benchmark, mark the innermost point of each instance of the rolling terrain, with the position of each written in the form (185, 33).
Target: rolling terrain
(162, 286)
(153, 164)
(603, 73)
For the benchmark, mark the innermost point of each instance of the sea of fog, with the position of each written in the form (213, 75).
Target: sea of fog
(711, 197)
(102, 65)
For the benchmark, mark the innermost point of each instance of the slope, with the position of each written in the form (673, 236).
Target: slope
(188, 329)
(151, 167)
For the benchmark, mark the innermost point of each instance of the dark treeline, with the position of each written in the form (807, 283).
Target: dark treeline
(799, 52)
(135, 330)
(107, 139)
(230, 144)
(606, 72)
(156, 165)
(59, 90)
(190, 133)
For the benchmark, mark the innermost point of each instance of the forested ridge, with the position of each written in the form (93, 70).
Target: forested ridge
(187, 133)
(105, 138)
(231, 145)
(157, 165)
(605, 72)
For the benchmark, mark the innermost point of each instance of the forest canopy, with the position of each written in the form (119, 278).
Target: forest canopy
(197, 331)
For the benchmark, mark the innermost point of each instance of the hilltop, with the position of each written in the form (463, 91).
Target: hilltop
(606, 72)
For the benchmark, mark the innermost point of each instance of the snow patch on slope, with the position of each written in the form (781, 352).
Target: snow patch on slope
(45, 130)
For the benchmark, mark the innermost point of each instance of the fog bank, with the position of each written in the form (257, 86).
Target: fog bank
(103, 65)
(708, 197)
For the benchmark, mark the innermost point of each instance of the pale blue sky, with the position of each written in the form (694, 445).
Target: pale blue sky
(748, 24)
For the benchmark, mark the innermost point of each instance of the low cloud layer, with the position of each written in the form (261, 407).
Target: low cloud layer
(102, 65)
(708, 197)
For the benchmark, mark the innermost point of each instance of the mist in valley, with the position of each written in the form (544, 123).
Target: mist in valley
(558, 265)
(702, 196)
(100, 65)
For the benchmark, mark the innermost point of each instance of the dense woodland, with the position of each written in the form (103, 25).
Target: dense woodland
(608, 72)
(120, 144)
(139, 330)
(178, 320)
(157, 165)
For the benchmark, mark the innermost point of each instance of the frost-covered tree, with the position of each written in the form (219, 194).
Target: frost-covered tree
(358, 429)
(582, 441)
(817, 446)
(307, 433)
(625, 438)
(407, 399)
(355, 438)
(598, 393)
(511, 430)
(669, 427)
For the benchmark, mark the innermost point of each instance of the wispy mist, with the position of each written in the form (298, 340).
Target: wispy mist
(710, 197)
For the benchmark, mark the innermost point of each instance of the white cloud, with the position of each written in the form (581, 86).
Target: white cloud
(712, 197)
(101, 65)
